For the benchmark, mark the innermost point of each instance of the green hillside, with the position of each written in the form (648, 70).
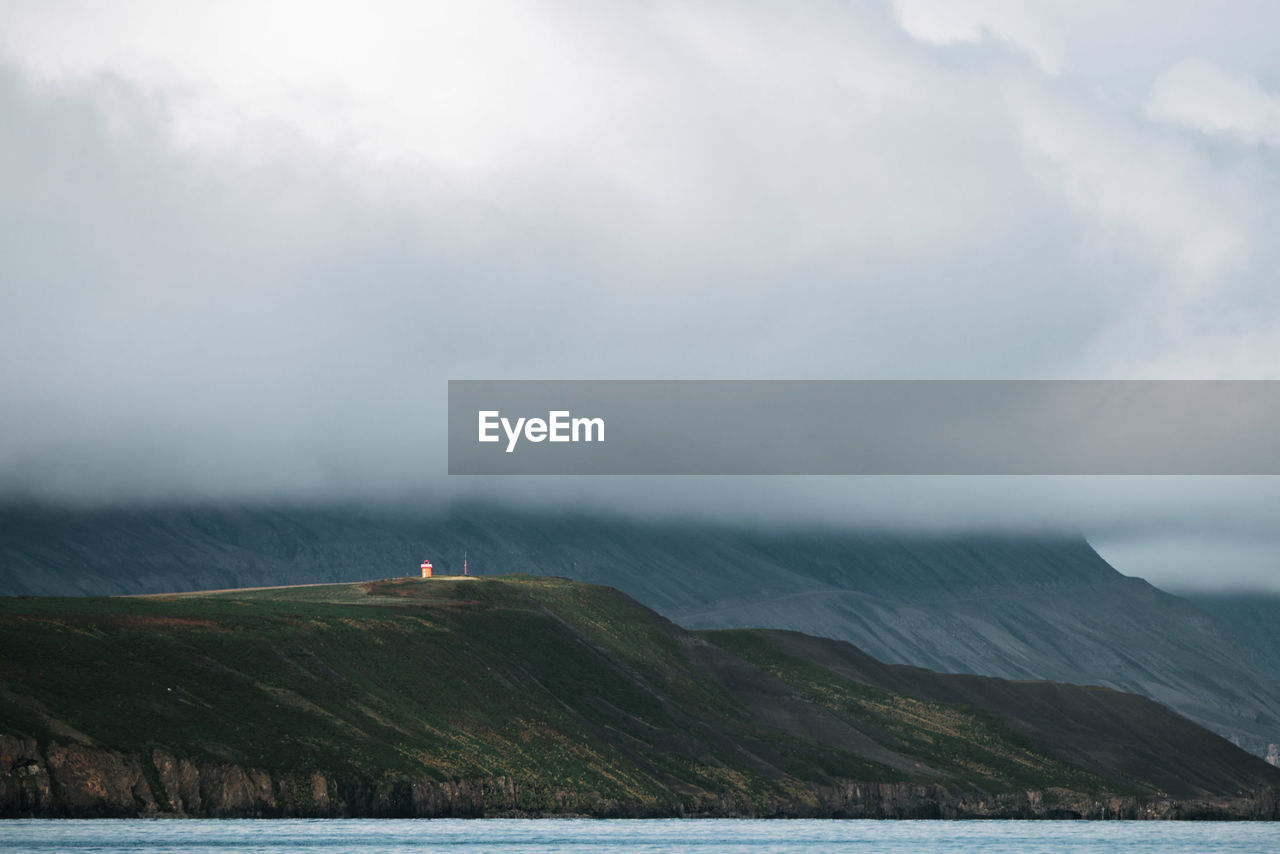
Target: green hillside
(517, 694)
(1018, 607)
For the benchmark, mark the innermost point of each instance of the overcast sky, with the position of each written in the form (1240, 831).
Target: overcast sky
(244, 245)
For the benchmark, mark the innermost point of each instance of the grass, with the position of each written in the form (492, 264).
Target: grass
(560, 686)
(967, 745)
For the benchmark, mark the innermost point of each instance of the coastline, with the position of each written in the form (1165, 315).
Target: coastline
(75, 781)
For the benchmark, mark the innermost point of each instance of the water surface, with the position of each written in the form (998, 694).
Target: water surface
(652, 836)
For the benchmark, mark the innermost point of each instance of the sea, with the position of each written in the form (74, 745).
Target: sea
(647, 836)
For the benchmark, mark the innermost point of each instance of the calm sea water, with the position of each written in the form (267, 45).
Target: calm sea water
(631, 837)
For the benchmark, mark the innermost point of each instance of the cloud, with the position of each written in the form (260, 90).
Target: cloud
(1201, 96)
(951, 22)
(245, 246)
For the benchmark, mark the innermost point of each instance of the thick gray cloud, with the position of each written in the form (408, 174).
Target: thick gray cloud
(244, 247)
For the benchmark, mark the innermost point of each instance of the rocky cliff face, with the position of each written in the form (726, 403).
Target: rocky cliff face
(83, 781)
(74, 780)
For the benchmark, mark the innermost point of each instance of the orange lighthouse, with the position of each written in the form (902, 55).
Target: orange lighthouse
(426, 569)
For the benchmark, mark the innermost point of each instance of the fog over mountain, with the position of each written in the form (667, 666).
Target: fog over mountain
(245, 246)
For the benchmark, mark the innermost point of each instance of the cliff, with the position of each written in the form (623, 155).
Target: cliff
(95, 783)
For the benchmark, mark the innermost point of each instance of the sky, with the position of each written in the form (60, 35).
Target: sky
(246, 244)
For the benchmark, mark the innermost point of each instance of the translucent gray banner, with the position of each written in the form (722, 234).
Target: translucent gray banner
(984, 427)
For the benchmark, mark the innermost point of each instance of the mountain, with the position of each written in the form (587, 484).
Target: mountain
(1019, 607)
(527, 695)
(1253, 619)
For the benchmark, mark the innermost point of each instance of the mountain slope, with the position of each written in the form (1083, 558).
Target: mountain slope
(533, 695)
(1060, 719)
(1018, 607)
(1253, 619)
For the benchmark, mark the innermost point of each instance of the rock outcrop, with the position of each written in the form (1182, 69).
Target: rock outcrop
(75, 780)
